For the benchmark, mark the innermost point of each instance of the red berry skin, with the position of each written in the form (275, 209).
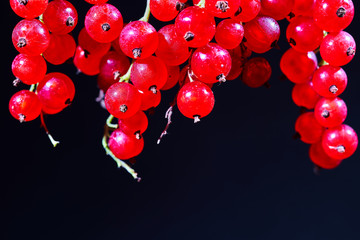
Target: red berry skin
(136, 124)
(303, 7)
(320, 158)
(196, 26)
(29, 10)
(29, 69)
(173, 77)
(330, 112)
(211, 63)
(221, 9)
(149, 99)
(138, 40)
(88, 64)
(340, 142)
(298, 67)
(261, 34)
(308, 128)
(60, 17)
(277, 9)
(304, 95)
(149, 74)
(122, 100)
(329, 81)
(96, 1)
(256, 72)
(338, 49)
(125, 146)
(303, 34)
(103, 22)
(25, 106)
(91, 46)
(195, 99)
(61, 48)
(333, 15)
(56, 91)
(229, 33)
(237, 63)
(172, 49)
(30, 37)
(248, 10)
(165, 10)
(51, 111)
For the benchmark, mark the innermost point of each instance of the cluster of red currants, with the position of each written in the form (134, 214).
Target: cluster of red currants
(134, 62)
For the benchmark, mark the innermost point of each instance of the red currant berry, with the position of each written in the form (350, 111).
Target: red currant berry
(195, 100)
(237, 63)
(248, 10)
(96, 1)
(149, 99)
(211, 63)
(338, 49)
(173, 77)
(329, 81)
(220, 8)
(308, 128)
(304, 95)
(30, 37)
(229, 33)
(165, 10)
(320, 158)
(330, 112)
(125, 146)
(25, 106)
(196, 26)
(90, 46)
(303, 7)
(61, 48)
(298, 67)
(122, 100)
(277, 9)
(340, 142)
(303, 34)
(87, 64)
(333, 15)
(138, 39)
(103, 22)
(256, 72)
(29, 69)
(60, 17)
(136, 124)
(28, 9)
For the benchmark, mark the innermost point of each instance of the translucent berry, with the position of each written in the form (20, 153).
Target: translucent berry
(138, 39)
(90, 46)
(25, 106)
(28, 9)
(304, 95)
(30, 37)
(61, 48)
(329, 81)
(96, 1)
(125, 146)
(330, 112)
(149, 99)
(136, 125)
(221, 8)
(248, 10)
(29, 69)
(165, 10)
(173, 77)
(88, 64)
(308, 128)
(320, 158)
(256, 72)
(303, 7)
(277, 9)
(229, 33)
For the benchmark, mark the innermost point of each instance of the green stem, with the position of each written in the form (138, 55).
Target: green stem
(32, 87)
(146, 16)
(119, 162)
(109, 124)
(126, 76)
(201, 4)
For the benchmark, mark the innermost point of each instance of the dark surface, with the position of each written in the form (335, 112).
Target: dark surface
(238, 174)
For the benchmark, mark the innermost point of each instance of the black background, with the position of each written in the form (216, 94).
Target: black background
(238, 174)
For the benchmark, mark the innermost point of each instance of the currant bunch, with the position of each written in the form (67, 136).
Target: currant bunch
(202, 44)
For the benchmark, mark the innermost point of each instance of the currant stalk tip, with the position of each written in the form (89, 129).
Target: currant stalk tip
(146, 16)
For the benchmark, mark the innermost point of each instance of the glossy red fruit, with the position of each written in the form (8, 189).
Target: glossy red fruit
(149, 74)
(195, 100)
(221, 8)
(330, 112)
(104, 22)
(125, 146)
(28, 9)
(173, 77)
(333, 15)
(122, 100)
(112, 66)
(277, 9)
(320, 158)
(30, 37)
(25, 106)
(196, 26)
(96, 1)
(340, 142)
(304, 95)
(135, 125)
(61, 48)
(172, 49)
(90, 46)
(303, 7)
(165, 10)
(248, 10)
(138, 39)
(211, 63)
(303, 34)
(338, 49)
(237, 63)
(329, 81)
(298, 67)
(88, 64)
(29, 69)
(149, 99)
(261, 34)
(56, 91)
(60, 17)
(308, 128)
(256, 72)
(229, 33)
